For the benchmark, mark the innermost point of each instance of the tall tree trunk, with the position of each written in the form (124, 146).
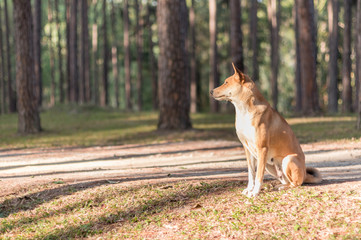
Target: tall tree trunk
(115, 57)
(213, 77)
(28, 114)
(85, 51)
(254, 40)
(139, 41)
(37, 52)
(60, 57)
(346, 60)
(332, 9)
(51, 56)
(10, 87)
(73, 53)
(67, 2)
(298, 83)
(104, 87)
(236, 34)
(2, 69)
(192, 50)
(95, 73)
(84, 81)
(174, 99)
(128, 84)
(307, 44)
(273, 9)
(152, 60)
(358, 58)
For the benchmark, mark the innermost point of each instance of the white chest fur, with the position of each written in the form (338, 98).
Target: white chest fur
(246, 132)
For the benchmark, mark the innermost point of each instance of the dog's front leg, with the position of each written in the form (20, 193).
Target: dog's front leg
(251, 163)
(261, 166)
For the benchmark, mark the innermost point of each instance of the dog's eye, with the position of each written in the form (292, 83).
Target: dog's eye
(225, 83)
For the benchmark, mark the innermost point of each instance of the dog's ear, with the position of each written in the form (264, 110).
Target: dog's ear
(239, 74)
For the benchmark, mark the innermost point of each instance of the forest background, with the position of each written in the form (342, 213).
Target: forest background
(105, 53)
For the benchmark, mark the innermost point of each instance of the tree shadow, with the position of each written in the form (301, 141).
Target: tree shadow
(165, 202)
(32, 200)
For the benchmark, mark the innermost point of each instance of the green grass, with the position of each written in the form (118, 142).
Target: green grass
(181, 210)
(87, 126)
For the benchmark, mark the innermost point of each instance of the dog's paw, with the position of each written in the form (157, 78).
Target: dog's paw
(252, 194)
(248, 192)
(245, 192)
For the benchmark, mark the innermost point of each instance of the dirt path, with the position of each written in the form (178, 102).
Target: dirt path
(134, 164)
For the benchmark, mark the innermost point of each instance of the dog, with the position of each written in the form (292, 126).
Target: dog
(269, 142)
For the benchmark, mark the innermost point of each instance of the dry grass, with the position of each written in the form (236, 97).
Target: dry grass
(182, 210)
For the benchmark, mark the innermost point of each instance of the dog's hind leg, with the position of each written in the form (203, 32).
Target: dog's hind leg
(294, 169)
(276, 171)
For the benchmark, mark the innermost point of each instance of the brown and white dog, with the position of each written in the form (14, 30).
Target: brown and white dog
(269, 141)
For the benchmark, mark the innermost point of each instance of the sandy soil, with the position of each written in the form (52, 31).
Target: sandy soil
(138, 164)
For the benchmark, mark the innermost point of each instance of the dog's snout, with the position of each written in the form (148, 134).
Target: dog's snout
(211, 92)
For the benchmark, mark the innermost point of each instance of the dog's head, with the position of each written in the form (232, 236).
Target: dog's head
(233, 87)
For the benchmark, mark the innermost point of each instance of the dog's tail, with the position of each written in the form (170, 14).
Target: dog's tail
(312, 175)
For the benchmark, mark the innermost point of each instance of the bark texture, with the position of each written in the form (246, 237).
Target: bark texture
(10, 84)
(2, 69)
(307, 44)
(192, 51)
(28, 114)
(236, 34)
(115, 57)
(358, 59)
(37, 51)
(174, 99)
(128, 84)
(104, 96)
(346, 60)
(139, 42)
(273, 10)
(254, 40)
(332, 9)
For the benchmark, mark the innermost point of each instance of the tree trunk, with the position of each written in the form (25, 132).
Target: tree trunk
(95, 73)
(115, 57)
(332, 9)
(128, 84)
(60, 57)
(254, 40)
(346, 60)
(298, 83)
(139, 41)
(213, 77)
(37, 52)
(28, 114)
(104, 87)
(174, 99)
(67, 2)
(73, 53)
(2, 69)
(358, 58)
(192, 50)
(236, 34)
(307, 42)
(10, 84)
(51, 56)
(152, 61)
(273, 10)
(84, 79)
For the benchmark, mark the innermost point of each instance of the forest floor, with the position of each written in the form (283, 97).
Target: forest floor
(198, 182)
(107, 175)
